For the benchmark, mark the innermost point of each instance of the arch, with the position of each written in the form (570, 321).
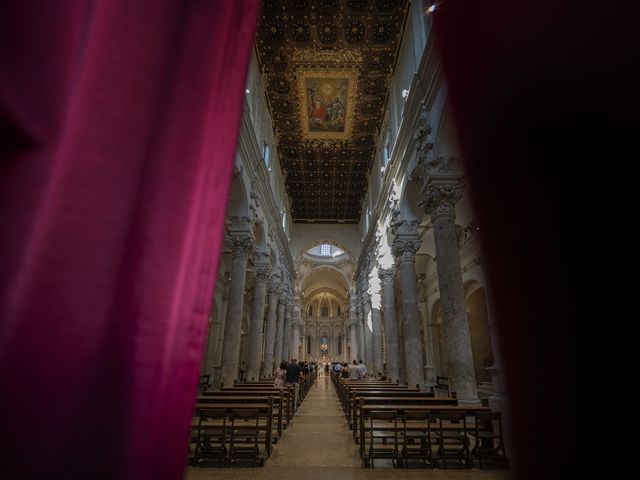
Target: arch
(470, 287)
(313, 296)
(315, 243)
(329, 268)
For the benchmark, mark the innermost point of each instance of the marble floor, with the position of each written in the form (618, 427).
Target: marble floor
(318, 445)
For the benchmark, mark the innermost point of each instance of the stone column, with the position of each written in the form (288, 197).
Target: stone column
(270, 334)
(241, 248)
(295, 341)
(376, 327)
(296, 323)
(353, 327)
(405, 249)
(217, 364)
(286, 346)
(278, 353)
(423, 308)
(390, 327)
(261, 270)
(368, 334)
(441, 190)
(361, 336)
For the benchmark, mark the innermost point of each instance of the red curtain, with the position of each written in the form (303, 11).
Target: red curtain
(118, 127)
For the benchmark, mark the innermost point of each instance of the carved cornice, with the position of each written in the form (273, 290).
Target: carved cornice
(261, 257)
(405, 249)
(239, 224)
(405, 227)
(425, 87)
(467, 234)
(256, 170)
(422, 135)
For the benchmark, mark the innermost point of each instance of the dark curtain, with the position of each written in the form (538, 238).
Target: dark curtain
(545, 100)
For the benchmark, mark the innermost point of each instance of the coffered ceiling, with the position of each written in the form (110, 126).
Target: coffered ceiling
(327, 66)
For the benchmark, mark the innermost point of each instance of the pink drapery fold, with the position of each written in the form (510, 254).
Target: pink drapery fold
(119, 124)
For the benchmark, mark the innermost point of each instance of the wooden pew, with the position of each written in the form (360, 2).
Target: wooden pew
(278, 405)
(400, 409)
(287, 392)
(264, 409)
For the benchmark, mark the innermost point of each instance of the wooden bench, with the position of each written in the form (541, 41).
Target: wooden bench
(263, 409)
(366, 409)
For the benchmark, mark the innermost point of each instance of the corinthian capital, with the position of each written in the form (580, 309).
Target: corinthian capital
(386, 275)
(405, 249)
(261, 272)
(241, 245)
(439, 199)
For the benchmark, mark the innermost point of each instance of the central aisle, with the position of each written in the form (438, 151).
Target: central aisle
(318, 446)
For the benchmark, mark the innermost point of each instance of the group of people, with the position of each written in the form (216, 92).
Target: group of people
(292, 373)
(355, 371)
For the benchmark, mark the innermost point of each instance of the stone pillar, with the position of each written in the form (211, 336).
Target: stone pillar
(376, 327)
(261, 270)
(217, 364)
(359, 315)
(278, 352)
(241, 248)
(390, 327)
(296, 323)
(295, 341)
(353, 327)
(286, 346)
(268, 369)
(423, 309)
(405, 249)
(368, 334)
(441, 190)
(353, 339)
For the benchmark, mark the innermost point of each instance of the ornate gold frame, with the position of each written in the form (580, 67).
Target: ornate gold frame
(351, 75)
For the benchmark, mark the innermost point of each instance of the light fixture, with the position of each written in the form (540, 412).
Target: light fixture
(247, 91)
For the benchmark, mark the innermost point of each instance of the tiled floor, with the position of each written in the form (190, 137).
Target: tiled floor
(318, 446)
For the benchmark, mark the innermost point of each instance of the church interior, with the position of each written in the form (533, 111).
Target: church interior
(303, 250)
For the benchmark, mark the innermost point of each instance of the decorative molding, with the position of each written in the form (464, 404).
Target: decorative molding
(467, 234)
(239, 225)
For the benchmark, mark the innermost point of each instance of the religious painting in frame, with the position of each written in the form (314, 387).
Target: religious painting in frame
(327, 101)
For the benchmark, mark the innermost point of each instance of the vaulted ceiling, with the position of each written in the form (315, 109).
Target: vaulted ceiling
(327, 66)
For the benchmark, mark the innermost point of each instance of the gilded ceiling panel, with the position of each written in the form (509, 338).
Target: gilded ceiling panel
(327, 66)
